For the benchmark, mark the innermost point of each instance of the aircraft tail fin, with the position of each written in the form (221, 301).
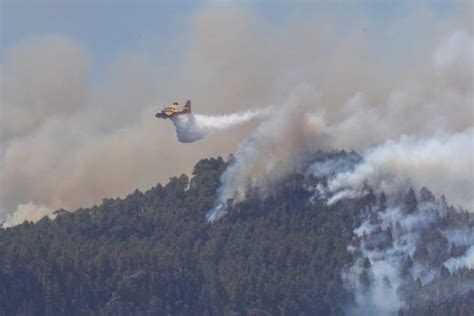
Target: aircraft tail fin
(187, 106)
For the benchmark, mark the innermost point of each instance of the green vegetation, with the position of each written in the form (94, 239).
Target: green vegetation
(153, 253)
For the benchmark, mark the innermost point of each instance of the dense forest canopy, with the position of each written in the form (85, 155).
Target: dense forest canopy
(288, 253)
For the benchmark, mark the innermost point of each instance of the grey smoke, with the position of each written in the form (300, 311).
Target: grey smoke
(68, 141)
(465, 261)
(418, 162)
(392, 239)
(389, 243)
(414, 137)
(421, 135)
(275, 148)
(331, 167)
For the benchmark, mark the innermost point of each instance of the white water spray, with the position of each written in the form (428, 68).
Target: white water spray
(192, 127)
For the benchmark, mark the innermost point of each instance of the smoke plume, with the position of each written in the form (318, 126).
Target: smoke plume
(75, 128)
(28, 211)
(400, 96)
(414, 162)
(408, 245)
(402, 256)
(274, 149)
(414, 137)
(465, 261)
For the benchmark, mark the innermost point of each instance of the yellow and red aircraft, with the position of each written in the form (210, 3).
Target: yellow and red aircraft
(173, 109)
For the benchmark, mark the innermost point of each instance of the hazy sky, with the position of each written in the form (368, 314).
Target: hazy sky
(107, 28)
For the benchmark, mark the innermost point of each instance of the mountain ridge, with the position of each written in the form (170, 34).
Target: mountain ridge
(154, 253)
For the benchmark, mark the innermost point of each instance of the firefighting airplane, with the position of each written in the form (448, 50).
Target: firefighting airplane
(172, 110)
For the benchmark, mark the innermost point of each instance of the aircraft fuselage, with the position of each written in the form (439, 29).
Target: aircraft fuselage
(173, 110)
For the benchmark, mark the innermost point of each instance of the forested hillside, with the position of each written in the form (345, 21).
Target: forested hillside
(290, 253)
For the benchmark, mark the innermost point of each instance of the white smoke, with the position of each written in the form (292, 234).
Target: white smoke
(418, 162)
(69, 137)
(192, 127)
(333, 166)
(28, 212)
(421, 135)
(466, 261)
(463, 237)
(404, 239)
(286, 136)
(396, 243)
(402, 248)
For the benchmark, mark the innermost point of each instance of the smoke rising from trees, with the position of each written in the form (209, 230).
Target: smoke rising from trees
(420, 135)
(67, 142)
